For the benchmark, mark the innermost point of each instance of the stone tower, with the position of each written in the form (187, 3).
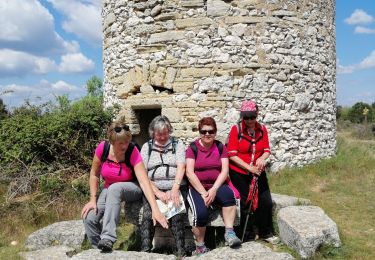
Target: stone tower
(192, 58)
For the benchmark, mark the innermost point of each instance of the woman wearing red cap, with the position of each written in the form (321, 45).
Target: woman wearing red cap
(248, 150)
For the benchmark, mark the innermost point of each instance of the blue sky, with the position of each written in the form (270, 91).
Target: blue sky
(51, 47)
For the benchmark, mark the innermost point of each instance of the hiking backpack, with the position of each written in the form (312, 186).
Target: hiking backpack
(194, 148)
(170, 147)
(128, 154)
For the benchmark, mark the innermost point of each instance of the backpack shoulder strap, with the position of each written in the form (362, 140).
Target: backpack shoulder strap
(105, 153)
(194, 148)
(128, 154)
(150, 144)
(174, 144)
(219, 146)
(239, 131)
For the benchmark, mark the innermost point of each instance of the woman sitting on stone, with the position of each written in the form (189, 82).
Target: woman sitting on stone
(164, 158)
(120, 170)
(207, 170)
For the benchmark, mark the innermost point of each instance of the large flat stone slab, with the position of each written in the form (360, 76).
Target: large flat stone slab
(306, 228)
(69, 233)
(281, 201)
(50, 253)
(249, 250)
(97, 255)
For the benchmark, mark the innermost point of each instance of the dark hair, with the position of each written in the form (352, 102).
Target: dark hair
(207, 121)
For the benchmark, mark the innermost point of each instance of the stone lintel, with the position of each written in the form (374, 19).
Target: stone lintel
(192, 22)
(250, 19)
(166, 36)
(195, 72)
(192, 3)
(151, 48)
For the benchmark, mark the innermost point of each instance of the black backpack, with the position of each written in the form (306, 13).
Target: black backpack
(241, 136)
(171, 147)
(128, 153)
(194, 148)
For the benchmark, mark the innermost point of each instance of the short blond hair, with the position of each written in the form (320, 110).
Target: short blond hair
(123, 135)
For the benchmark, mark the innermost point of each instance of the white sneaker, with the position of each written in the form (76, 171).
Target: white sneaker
(272, 240)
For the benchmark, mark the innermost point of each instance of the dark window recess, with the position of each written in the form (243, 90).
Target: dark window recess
(161, 89)
(144, 118)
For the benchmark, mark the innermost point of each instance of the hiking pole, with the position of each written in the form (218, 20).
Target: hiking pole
(251, 205)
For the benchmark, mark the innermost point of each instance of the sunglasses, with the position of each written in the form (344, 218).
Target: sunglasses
(249, 117)
(118, 129)
(204, 132)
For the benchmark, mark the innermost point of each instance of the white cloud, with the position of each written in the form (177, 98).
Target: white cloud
(359, 17)
(368, 62)
(29, 27)
(14, 95)
(63, 86)
(76, 63)
(344, 69)
(364, 30)
(89, 28)
(17, 63)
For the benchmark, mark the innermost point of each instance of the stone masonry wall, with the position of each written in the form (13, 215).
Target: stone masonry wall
(195, 58)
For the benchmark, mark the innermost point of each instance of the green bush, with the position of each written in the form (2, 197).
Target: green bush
(355, 113)
(65, 134)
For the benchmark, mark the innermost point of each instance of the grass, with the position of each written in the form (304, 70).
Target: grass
(344, 188)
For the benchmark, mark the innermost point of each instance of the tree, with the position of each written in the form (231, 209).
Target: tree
(356, 115)
(3, 110)
(94, 87)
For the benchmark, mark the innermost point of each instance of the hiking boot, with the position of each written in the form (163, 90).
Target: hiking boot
(274, 240)
(105, 245)
(200, 251)
(231, 239)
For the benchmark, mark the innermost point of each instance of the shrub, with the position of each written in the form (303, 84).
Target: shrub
(65, 134)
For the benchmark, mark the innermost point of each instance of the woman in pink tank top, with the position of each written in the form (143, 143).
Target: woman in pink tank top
(120, 185)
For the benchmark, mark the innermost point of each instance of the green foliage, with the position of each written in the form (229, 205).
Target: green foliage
(3, 110)
(94, 87)
(66, 133)
(355, 114)
(52, 184)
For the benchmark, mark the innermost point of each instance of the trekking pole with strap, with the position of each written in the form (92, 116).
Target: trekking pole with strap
(250, 207)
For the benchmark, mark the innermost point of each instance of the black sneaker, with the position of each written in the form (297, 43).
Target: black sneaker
(105, 245)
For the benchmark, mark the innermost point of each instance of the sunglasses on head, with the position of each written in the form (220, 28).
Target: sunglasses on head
(249, 117)
(118, 129)
(204, 132)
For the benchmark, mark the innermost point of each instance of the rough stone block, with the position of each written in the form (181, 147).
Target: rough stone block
(192, 3)
(281, 201)
(192, 22)
(166, 37)
(68, 233)
(173, 114)
(217, 8)
(306, 228)
(117, 254)
(53, 252)
(249, 250)
(195, 72)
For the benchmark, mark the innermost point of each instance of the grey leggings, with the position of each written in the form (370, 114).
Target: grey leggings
(109, 205)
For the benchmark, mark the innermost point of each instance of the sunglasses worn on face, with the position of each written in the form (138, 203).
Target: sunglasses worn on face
(204, 132)
(249, 117)
(119, 128)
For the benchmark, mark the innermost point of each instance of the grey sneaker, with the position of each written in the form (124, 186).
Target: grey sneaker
(274, 240)
(231, 239)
